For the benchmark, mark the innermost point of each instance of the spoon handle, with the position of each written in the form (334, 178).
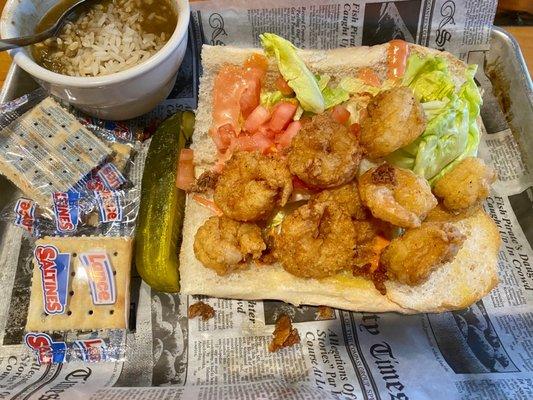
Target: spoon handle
(8, 44)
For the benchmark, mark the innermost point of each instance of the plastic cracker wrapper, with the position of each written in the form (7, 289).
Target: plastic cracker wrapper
(46, 149)
(79, 207)
(62, 195)
(80, 299)
(105, 202)
(102, 212)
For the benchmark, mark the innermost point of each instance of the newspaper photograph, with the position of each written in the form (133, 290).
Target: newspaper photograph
(481, 352)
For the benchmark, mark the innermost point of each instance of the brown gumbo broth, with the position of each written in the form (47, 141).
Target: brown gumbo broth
(156, 19)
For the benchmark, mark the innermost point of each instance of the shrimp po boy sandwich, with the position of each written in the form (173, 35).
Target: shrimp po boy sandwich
(346, 178)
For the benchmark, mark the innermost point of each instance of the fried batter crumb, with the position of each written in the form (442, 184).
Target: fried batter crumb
(384, 174)
(284, 334)
(201, 309)
(325, 312)
(207, 181)
(378, 277)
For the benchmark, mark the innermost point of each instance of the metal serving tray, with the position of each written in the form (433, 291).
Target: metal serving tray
(504, 65)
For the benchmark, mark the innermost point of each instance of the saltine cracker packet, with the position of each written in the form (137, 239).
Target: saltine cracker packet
(80, 283)
(80, 290)
(48, 150)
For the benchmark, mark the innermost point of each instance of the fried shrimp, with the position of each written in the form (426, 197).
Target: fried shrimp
(395, 119)
(346, 197)
(466, 185)
(412, 257)
(225, 245)
(396, 195)
(324, 153)
(252, 185)
(317, 240)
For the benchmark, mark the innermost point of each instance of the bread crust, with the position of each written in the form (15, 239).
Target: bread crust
(470, 276)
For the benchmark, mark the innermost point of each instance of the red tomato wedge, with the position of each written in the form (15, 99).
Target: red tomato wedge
(185, 177)
(397, 53)
(340, 114)
(283, 86)
(258, 62)
(207, 203)
(223, 136)
(254, 71)
(251, 96)
(255, 142)
(282, 116)
(368, 76)
(227, 91)
(266, 131)
(258, 117)
(284, 139)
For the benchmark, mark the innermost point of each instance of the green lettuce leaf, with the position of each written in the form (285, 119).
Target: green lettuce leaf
(334, 96)
(452, 132)
(268, 99)
(355, 85)
(322, 81)
(294, 71)
(429, 78)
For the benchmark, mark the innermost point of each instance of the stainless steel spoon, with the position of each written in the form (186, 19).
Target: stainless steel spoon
(7, 44)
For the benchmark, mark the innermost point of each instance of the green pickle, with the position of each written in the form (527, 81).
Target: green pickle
(158, 234)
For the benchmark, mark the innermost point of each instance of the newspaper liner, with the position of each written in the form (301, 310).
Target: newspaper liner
(478, 353)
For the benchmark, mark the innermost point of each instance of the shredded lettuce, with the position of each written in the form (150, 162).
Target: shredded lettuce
(355, 85)
(452, 132)
(294, 71)
(334, 96)
(268, 99)
(322, 81)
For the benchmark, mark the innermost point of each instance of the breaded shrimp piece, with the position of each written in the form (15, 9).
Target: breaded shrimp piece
(394, 119)
(466, 185)
(317, 240)
(324, 153)
(252, 185)
(396, 195)
(347, 197)
(411, 258)
(225, 245)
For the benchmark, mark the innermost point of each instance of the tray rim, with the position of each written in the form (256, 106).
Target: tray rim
(518, 53)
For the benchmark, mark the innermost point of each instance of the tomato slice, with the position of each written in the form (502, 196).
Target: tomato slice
(397, 53)
(250, 97)
(227, 91)
(223, 136)
(283, 86)
(340, 114)
(258, 117)
(185, 176)
(255, 68)
(368, 76)
(255, 142)
(284, 139)
(282, 116)
(258, 62)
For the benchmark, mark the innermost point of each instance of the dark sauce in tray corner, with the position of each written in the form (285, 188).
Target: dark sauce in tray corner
(163, 13)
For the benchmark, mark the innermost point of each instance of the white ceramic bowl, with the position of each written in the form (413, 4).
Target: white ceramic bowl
(118, 96)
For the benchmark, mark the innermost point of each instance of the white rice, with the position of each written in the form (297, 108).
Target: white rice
(105, 40)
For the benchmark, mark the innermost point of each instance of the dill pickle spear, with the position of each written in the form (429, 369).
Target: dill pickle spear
(162, 208)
